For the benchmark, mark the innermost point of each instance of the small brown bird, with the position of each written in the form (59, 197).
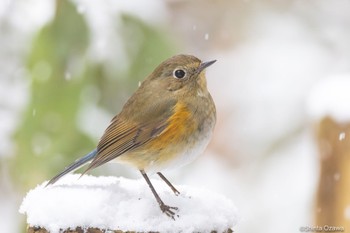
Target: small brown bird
(166, 123)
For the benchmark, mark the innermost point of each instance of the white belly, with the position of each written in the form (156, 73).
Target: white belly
(186, 156)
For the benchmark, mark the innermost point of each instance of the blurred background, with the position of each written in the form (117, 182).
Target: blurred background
(281, 148)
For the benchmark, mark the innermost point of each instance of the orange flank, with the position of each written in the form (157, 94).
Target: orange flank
(173, 140)
(169, 143)
(180, 126)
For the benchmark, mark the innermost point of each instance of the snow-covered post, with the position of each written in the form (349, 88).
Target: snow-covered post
(110, 204)
(329, 106)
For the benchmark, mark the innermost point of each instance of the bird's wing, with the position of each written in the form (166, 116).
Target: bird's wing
(125, 134)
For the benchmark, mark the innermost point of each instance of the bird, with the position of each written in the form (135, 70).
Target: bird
(167, 123)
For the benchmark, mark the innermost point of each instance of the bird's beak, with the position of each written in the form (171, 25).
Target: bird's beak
(204, 65)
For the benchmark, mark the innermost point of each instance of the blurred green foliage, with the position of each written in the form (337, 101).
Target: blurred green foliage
(48, 138)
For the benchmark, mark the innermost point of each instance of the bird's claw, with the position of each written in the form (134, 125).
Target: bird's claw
(168, 210)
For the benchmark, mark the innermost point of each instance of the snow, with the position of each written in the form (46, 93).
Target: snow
(125, 204)
(331, 97)
(342, 136)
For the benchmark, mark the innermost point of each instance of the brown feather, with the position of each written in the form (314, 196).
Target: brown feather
(124, 135)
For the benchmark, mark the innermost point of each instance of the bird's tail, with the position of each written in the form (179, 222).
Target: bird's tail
(74, 166)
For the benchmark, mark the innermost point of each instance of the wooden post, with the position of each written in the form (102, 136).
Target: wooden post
(333, 195)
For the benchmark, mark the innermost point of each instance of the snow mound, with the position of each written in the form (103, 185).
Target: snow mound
(331, 98)
(123, 204)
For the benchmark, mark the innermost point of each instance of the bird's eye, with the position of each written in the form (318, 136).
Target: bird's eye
(179, 73)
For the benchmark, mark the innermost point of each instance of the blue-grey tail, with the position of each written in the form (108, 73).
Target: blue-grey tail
(74, 166)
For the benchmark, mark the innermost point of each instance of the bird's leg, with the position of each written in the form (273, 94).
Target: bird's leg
(168, 183)
(166, 209)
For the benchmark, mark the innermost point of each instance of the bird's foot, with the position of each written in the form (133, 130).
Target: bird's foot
(169, 210)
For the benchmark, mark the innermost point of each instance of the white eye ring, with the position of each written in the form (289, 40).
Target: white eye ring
(179, 73)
